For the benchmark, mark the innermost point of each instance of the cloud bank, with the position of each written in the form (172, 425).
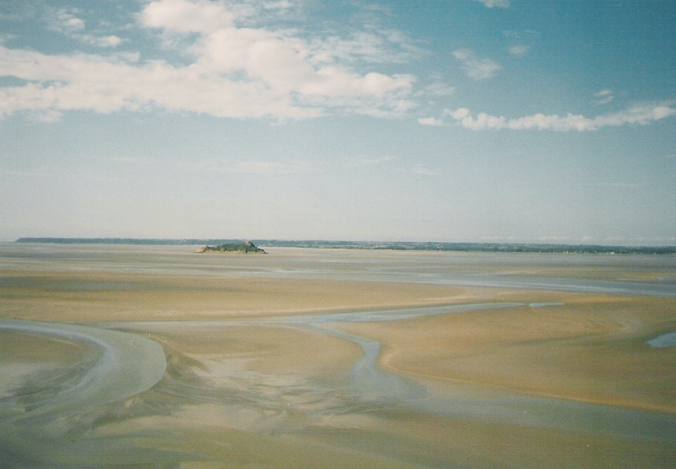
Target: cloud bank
(66, 22)
(637, 115)
(233, 70)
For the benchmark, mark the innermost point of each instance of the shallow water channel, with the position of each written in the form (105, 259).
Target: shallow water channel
(127, 364)
(370, 383)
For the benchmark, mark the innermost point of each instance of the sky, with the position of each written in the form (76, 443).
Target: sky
(443, 120)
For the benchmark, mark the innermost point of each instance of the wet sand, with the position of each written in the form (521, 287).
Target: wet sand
(31, 355)
(102, 296)
(591, 349)
(340, 359)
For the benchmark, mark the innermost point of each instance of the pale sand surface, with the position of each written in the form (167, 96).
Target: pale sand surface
(31, 348)
(244, 388)
(92, 297)
(264, 349)
(591, 349)
(252, 387)
(251, 383)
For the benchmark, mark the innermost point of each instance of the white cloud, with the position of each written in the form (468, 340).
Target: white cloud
(109, 41)
(278, 5)
(638, 115)
(183, 16)
(495, 3)
(66, 22)
(104, 85)
(430, 121)
(376, 44)
(99, 41)
(604, 97)
(476, 68)
(233, 71)
(518, 50)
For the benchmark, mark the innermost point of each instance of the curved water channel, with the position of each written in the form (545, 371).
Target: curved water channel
(127, 364)
(663, 341)
(370, 383)
(35, 424)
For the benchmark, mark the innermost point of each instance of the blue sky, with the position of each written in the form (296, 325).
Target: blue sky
(457, 120)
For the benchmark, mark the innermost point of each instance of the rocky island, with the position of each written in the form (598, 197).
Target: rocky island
(245, 247)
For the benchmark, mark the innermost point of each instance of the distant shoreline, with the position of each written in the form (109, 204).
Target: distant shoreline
(233, 248)
(376, 245)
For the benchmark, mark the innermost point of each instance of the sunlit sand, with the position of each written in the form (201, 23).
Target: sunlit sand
(307, 358)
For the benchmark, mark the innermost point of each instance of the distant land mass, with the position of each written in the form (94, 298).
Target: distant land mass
(399, 246)
(245, 247)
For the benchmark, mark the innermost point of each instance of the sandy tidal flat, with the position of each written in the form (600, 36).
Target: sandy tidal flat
(307, 358)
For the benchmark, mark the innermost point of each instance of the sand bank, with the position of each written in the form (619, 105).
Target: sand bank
(92, 297)
(592, 349)
(250, 382)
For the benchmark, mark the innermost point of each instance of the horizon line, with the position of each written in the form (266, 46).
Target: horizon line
(349, 243)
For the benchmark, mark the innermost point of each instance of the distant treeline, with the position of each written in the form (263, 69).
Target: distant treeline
(400, 246)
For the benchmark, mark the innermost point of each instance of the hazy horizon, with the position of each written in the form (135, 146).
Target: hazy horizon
(466, 121)
(328, 243)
